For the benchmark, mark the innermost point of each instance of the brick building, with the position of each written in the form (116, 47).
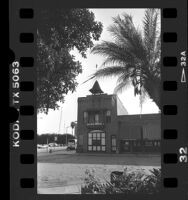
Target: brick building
(104, 125)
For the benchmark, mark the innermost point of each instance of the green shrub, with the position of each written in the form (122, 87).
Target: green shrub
(128, 183)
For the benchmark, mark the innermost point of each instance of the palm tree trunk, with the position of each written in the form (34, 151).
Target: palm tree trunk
(153, 89)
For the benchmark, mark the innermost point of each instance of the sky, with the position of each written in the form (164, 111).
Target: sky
(67, 112)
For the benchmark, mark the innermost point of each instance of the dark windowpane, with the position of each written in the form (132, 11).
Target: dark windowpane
(96, 142)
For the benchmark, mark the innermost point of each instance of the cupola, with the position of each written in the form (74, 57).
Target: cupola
(96, 89)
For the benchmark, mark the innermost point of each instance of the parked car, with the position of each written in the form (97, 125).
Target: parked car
(53, 144)
(40, 146)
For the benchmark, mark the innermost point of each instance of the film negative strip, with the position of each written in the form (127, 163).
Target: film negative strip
(107, 136)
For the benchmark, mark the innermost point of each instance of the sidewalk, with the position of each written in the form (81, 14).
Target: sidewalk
(71, 189)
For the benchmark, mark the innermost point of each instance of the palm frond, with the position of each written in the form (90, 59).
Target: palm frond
(110, 71)
(123, 82)
(107, 72)
(114, 53)
(157, 50)
(122, 86)
(126, 34)
(151, 31)
(90, 78)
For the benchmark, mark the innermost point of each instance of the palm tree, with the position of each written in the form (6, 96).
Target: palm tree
(134, 55)
(73, 124)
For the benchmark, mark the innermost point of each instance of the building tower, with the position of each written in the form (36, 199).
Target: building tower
(97, 115)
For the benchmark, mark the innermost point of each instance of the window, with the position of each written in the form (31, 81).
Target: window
(91, 118)
(103, 148)
(85, 117)
(103, 141)
(96, 118)
(108, 116)
(96, 141)
(113, 143)
(90, 148)
(157, 143)
(108, 113)
(137, 143)
(89, 141)
(148, 143)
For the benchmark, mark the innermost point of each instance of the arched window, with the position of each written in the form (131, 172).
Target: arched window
(85, 117)
(96, 118)
(96, 141)
(108, 116)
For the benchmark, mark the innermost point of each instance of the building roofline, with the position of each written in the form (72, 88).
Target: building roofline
(141, 117)
(148, 114)
(93, 96)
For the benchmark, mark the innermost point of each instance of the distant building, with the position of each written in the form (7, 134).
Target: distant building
(104, 125)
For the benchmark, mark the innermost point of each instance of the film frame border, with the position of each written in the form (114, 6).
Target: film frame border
(173, 41)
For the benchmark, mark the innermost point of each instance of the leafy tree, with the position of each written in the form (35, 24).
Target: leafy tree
(60, 31)
(133, 55)
(61, 138)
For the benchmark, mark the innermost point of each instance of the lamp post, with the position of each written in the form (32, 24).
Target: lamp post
(60, 121)
(66, 134)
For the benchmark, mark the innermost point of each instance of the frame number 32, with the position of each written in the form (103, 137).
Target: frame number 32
(183, 154)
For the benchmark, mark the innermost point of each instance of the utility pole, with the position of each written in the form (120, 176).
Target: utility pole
(60, 121)
(66, 133)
